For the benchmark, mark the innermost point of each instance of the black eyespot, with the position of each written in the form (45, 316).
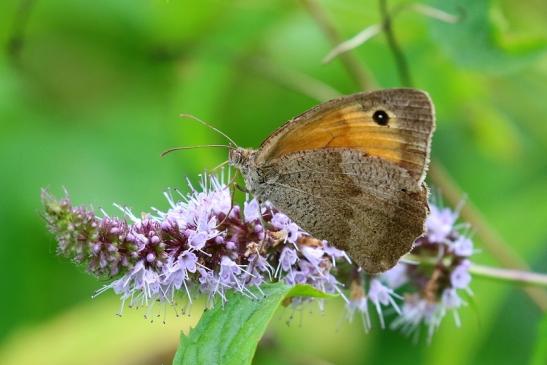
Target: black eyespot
(380, 117)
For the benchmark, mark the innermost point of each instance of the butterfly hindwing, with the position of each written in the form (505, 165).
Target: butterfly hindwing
(350, 201)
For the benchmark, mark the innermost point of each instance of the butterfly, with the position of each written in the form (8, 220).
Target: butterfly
(350, 171)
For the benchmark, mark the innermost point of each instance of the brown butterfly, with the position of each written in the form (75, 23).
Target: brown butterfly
(350, 171)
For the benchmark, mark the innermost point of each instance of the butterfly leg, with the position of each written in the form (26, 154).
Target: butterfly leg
(243, 189)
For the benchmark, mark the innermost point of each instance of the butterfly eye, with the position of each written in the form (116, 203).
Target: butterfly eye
(380, 117)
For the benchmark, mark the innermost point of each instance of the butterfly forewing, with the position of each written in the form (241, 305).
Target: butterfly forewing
(349, 122)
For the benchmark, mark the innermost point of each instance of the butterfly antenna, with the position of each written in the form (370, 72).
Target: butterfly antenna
(197, 146)
(191, 116)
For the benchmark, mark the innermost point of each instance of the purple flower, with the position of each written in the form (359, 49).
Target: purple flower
(203, 246)
(358, 302)
(174, 276)
(251, 210)
(197, 240)
(379, 295)
(313, 254)
(291, 231)
(187, 261)
(280, 221)
(335, 253)
(416, 311)
(463, 246)
(396, 276)
(359, 305)
(440, 223)
(288, 258)
(460, 276)
(296, 277)
(140, 285)
(450, 299)
(229, 270)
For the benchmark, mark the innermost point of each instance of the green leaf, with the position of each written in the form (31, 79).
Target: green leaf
(229, 334)
(540, 355)
(478, 42)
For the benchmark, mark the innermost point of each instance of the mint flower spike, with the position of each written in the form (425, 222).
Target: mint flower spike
(100, 243)
(203, 246)
(200, 246)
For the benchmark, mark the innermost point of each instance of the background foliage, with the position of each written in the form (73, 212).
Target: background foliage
(89, 97)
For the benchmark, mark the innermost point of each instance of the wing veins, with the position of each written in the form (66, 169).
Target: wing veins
(382, 197)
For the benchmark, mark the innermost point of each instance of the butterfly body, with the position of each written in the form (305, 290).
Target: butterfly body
(345, 175)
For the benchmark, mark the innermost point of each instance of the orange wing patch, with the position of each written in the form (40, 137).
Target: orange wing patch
(350, 125)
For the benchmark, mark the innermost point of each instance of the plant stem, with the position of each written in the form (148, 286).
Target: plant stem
(16, 37)
(514, 276)
(398, 55)
(295, 80)
(349, 61)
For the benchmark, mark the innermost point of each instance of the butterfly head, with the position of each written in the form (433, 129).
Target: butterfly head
(241, 158)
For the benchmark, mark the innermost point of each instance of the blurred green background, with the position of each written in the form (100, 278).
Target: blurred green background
(90, 93)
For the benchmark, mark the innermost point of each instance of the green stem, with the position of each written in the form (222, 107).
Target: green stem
(295, 80)
(515, 276)
(398, 55)
(507, 275)
(349, 61)
(16, 37)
